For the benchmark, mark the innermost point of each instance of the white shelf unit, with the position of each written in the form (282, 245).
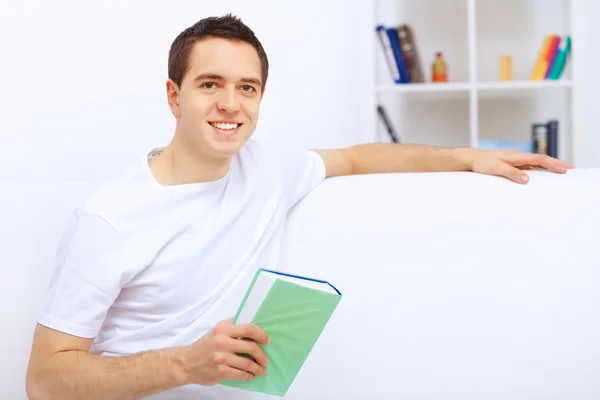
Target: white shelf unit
(474, 105)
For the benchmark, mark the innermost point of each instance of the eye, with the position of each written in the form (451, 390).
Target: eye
(208, 85)
(247, 88)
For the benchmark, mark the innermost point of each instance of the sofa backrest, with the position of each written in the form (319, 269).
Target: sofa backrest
(455, 285)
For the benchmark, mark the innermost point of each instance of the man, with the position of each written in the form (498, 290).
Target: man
(151, 270)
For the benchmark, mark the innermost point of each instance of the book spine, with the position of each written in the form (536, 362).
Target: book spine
(384, 40)
(393, 38)
(552, 135)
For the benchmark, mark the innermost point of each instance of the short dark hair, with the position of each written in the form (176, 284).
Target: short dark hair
(227, 27)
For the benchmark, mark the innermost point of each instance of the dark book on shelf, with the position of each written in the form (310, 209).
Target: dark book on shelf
(388, 125)
(410, 53)
(544, 138)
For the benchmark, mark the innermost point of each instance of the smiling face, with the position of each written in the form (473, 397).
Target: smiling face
(218, 102)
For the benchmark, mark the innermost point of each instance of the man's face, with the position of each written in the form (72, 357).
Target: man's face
(219, 99)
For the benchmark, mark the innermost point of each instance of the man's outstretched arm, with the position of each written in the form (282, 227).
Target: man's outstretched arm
(385, 158)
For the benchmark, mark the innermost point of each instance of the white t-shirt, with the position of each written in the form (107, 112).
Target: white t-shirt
(144, 266)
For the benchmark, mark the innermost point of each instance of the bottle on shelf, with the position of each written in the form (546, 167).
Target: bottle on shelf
(439, 68)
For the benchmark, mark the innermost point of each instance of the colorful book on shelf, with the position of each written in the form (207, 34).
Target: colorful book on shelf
(558, 66)
(543, 60)
(551, 58)
(293, 311)
(553, 51)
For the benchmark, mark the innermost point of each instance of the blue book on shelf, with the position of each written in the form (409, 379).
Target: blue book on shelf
(395, 43)
(388, 52)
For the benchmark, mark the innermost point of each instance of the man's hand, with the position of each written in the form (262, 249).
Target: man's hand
(215, 357)
(510, 163)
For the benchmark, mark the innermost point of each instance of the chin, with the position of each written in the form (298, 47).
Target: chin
(226, 148)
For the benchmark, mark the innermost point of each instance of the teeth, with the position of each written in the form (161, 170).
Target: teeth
(224, 126)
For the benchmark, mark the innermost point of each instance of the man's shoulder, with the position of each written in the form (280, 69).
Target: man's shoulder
(117, 195)
(255, 150)
(272, 153)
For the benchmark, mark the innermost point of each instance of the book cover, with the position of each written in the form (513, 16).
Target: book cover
(293, 311)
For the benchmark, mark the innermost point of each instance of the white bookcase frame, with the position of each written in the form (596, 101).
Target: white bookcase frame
(573, 135)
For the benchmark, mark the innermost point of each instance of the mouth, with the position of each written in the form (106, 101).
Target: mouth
(226, 128)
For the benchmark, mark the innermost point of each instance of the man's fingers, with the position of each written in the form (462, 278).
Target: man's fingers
(227, 372)
(514, 174)
(249, 347)
(245, 364)
(548, 163)
(249, 331)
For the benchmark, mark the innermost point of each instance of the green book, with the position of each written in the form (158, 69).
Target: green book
(293, 311)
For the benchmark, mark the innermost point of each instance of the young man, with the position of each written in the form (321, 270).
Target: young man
(151, 270)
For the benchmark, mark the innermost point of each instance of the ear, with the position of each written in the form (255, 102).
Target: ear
(173, 97)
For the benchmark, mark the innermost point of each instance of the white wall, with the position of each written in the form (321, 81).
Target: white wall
(83, 96)
(83, 82)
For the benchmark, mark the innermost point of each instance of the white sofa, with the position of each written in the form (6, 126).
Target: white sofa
(456, 285)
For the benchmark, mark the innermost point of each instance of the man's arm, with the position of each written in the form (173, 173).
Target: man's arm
(61, 368)
(386, 158)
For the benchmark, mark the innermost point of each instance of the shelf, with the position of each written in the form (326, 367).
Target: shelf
(475, 105)
(524, 85)
(480, 86)
(424, 87)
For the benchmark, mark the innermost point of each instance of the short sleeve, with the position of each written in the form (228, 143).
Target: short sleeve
(302, 170)
(87, 278)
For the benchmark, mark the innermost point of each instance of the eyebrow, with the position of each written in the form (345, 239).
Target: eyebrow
(219, 77)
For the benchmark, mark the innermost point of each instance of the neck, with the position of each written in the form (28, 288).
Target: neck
(179, 164)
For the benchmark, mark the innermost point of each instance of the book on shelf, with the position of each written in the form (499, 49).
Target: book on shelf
(401, 53)
(552, 58)
(293, 310)
(544, 138)
(383, 116)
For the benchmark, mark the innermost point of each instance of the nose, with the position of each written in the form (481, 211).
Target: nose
(228, 101)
